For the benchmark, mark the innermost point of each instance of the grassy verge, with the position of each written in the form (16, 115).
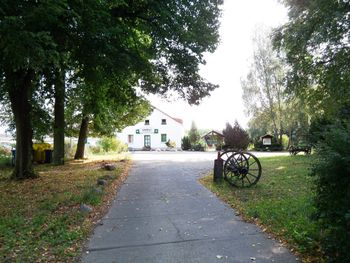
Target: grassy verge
(40, 219)
(281, 202)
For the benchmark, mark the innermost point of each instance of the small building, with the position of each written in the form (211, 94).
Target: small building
(214, 139)
(154, 132)
(266, 139)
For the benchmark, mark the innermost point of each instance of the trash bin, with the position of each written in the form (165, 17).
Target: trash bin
(13, 160)
(48, 156)
(39, 152)
(38, 156)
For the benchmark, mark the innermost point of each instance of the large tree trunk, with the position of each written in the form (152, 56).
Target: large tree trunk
(59, 124)
(20, 92)
(79, 154)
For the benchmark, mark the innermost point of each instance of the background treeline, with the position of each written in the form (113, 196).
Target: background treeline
(298, 86)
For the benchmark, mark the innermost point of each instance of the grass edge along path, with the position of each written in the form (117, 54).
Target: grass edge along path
(40, 219)
(280, 204)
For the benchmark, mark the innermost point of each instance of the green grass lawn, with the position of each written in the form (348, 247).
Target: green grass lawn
(281, 202)
(40, 219)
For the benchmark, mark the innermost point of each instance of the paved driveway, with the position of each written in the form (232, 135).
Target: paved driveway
(162, 214)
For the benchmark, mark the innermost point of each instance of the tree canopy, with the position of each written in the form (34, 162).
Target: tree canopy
(156, 45)
(316, 44)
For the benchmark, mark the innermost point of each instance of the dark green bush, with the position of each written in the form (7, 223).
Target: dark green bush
(275, 147)
(332, 174)
(258, 146)
(200, 147)
(186, 144)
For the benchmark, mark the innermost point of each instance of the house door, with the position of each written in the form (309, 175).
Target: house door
(147, 140)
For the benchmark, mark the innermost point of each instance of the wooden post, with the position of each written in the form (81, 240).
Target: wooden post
(218, 167)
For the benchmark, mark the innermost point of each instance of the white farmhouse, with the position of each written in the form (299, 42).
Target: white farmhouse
(153, 132)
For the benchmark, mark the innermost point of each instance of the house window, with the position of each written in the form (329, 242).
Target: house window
(163, 121)
(155, 130)
(163, 137)
(146, 122)
(130, 138)
(137, 131)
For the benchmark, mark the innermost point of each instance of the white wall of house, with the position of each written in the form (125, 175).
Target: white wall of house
(155, 130)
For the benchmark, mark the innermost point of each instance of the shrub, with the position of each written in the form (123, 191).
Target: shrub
(5, 156)
(95, 149)
(112, 144)
(285, 141)
(170, 144)
(186, 144)
(259, 146)
(275, 147)
(332, 175)
(200, 146)
(236, 137)
(69, 150)
(5, 151)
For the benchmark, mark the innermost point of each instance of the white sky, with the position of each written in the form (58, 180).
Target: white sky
(227, 65)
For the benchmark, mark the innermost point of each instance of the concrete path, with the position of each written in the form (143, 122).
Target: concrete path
(162, 214)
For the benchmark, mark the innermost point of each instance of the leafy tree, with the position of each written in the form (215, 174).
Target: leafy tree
(179, 33)
(235, 137)
(193, 134)
(317, 50)
(263, 88)
(316, 44)
(100, 112)
(26, 49)
(331, 171)
(159, 43)
(259, 125)
(41, 115)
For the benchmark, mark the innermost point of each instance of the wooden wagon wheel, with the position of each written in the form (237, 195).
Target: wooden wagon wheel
(226, 154)
(242, 169)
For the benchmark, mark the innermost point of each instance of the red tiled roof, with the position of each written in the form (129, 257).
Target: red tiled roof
(175, 119)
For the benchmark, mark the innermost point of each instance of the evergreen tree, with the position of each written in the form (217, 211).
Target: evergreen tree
(193, 134)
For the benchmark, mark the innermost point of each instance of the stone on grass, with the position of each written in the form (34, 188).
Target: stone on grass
(101, 182)
(110, 167)
(85, 209)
